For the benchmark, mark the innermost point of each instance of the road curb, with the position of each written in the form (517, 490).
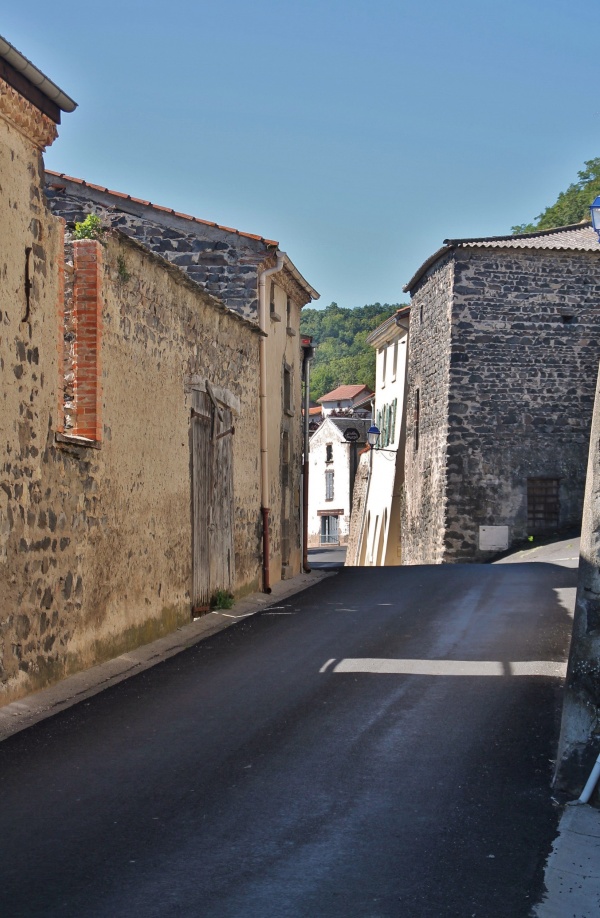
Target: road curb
(27, 711)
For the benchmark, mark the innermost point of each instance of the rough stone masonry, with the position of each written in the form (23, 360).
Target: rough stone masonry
(504, 350)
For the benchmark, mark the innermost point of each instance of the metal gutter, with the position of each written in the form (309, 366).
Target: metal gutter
(36, 77)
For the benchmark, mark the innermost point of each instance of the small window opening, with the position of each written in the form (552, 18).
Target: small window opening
(567, 320)
(328, 485)
(329, 453)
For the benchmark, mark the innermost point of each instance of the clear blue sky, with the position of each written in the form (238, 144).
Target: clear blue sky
(359, 134)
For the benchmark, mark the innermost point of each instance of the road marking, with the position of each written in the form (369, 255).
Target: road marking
(553, 668)
(329, 662)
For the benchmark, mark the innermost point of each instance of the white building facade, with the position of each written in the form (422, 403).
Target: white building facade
(333, 462)
(376, 536)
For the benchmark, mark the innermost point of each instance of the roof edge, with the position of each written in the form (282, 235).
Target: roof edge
(450, 245)
(38, 79)
(119, 195)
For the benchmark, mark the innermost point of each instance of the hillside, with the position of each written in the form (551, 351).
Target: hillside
(572, 205)
(342, 355)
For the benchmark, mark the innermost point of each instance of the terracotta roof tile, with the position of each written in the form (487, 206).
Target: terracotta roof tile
(344, 392)
(168, 210)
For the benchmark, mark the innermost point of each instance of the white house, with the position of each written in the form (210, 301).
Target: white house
(375, 538)
(344, 398)
(333, 462)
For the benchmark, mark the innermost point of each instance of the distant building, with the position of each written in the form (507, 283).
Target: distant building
(333, 461)
(375, 537)
(238, 268)
(503, 357)
(344, 399)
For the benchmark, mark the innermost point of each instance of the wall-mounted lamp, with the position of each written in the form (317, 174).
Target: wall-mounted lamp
(595, 214)
(373, 434)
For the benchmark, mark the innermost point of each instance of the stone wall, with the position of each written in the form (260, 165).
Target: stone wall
(360, 494)
(224, 263)
(424, 505)
(580, 729)
(95, 536)
(525, 345)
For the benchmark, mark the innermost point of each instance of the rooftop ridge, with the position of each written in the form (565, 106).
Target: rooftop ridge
(271, 243)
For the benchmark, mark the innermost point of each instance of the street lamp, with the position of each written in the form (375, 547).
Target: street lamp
(595, 213)
(373, 435)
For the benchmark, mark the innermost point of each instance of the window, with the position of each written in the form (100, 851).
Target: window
(328, 485)
(272, 298)
(543, 508)
(383, 351)
(288, 312)
(329, 453)
(395, 360)
(329, 530)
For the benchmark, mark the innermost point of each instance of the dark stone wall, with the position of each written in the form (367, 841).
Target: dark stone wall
(424, 504)
(525, 345)
(504, 349)
(224, 263)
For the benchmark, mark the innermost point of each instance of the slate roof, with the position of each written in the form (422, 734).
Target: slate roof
(166, 210)
(344, 392)
(580, 237)
(342, 424)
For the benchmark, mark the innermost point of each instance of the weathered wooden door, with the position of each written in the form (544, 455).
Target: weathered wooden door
(213, 560)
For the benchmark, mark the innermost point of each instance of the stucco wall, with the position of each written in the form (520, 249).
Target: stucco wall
(96, 542)
(226, 264)
(424, 505)
(31, 543)
(525, 343)
(284, 425)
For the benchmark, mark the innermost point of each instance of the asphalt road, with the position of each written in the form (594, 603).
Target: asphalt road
(377, 747)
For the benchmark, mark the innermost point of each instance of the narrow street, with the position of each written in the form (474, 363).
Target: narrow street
(379, 746)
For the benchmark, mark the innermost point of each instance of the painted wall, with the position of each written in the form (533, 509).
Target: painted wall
(340, 465)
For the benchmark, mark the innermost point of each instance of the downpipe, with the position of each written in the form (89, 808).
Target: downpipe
(588, 790)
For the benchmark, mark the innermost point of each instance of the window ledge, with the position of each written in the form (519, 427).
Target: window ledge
(289, 411)
(75, 440)
(275, 317)
(291, 331)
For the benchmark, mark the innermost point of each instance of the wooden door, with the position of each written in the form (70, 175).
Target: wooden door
(213, 560)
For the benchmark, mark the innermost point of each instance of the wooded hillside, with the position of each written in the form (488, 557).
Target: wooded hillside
(572, 205)
(342, 356)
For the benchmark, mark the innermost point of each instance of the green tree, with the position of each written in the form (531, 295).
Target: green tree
(342, 356)
(572, 205)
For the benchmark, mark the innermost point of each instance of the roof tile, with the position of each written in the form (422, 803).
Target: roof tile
(128, 197)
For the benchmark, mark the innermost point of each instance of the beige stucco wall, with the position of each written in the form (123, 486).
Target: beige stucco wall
(283, 347)
(95, 550)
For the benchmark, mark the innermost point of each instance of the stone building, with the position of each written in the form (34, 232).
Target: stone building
(375, 536)
(131, 481)
(333, 463)
(259, 283)
(579, 745)
(503, 356)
